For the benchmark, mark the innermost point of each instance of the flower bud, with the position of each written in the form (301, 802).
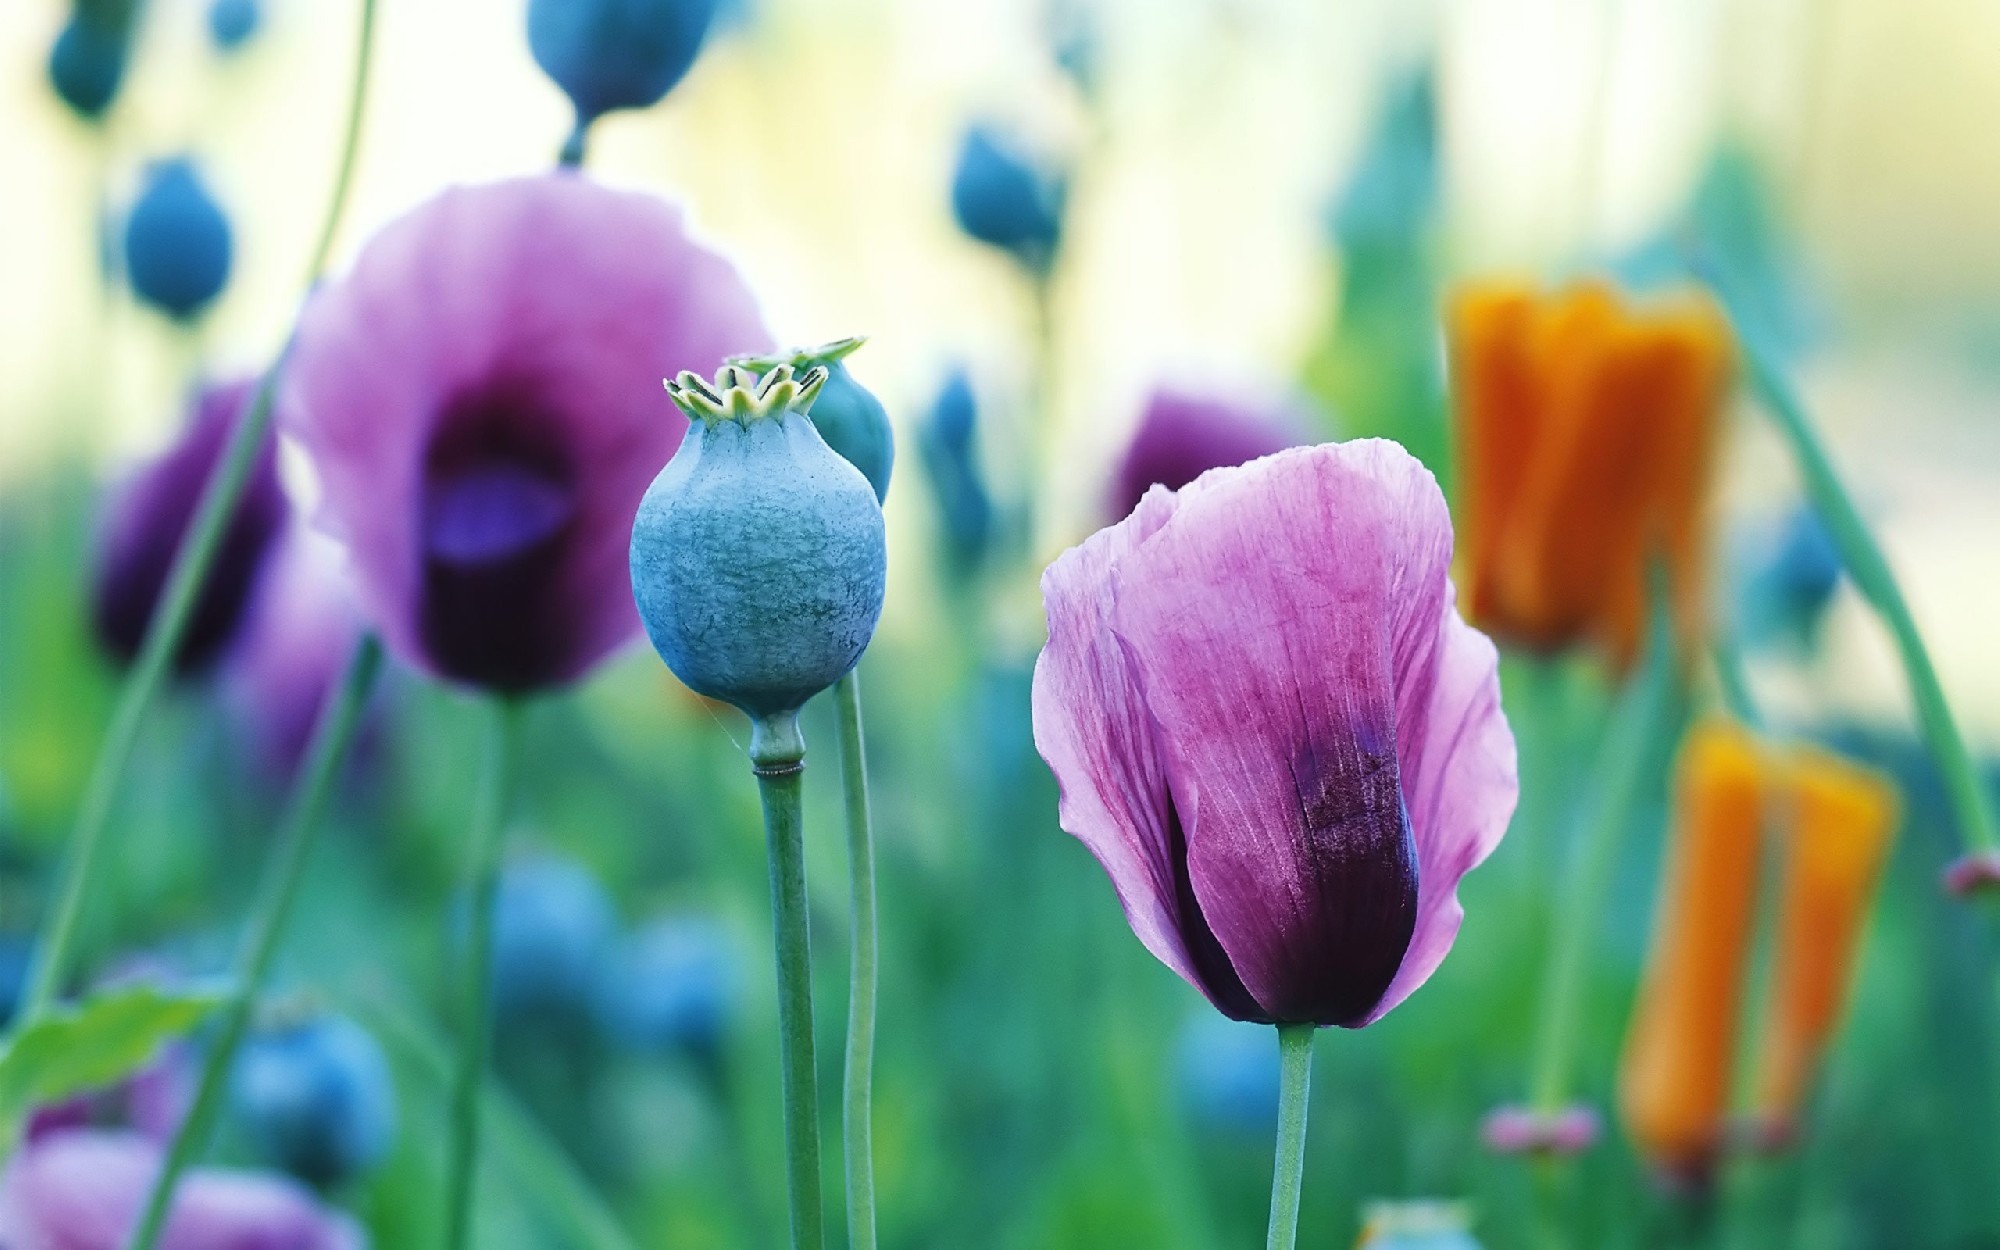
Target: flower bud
(758, 556)
(948, 442)
(316, 1097)
(668, 988)
(177, 242)
(1000, 198)
(616, 54)
(87, 62)
(552, 926)
(1228, 1075)
(232, 22)
(846, 414)
(1416, 1225)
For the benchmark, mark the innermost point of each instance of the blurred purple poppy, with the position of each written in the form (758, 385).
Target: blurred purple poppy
(481, 399)
(1272, 728)
(82, 1190)
(1183, 436)
(300, 630)
(142, 527)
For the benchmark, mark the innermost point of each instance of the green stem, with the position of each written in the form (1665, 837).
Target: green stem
(339, 716)
(1645, 714)
(1288, 1170)
(1734, 681)
(1872, 577)
(777, 755)
(169, 622)
(859, 1153)
(475, 1023)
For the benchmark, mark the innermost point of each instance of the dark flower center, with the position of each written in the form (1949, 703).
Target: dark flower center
(1356, 882)
(498, 522)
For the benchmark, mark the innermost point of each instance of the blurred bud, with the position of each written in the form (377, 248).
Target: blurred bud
(1792, 572)
(1183, 436)
(1977, 873)
(1392, 193)
(1416, 1225)
(1675, 1078)
(948, 444)
(1842, 820)
(87, 63)
(552, 927)
(1523, 1131)
(668, 988)
(299, 630)
(177, 241)
(17, 955)
(616, 54)
(232, 22)
(145, 519)
(1228, 1074)
(316, 1097)
(1075, 42)
(1001, 198)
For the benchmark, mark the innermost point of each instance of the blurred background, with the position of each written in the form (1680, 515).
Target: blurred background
(1263, 198)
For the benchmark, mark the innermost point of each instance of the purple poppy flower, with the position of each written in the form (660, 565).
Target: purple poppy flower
(142, 529)
(1272, 728)
(301, 628)
(83, 1190)
(1183, 436)
(481, 399)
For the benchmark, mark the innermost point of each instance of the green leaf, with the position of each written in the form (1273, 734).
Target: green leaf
(92, 1043)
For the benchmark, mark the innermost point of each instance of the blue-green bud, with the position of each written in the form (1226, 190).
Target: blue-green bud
(758, 555)
(848, 416)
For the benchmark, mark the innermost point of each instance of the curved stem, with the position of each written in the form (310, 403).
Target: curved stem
(859, 1074)
(475, 1023)
(170, 617)
(1870, 571)
(777, 755)
(1288, 1169)
(1645, 715)
(339, 717)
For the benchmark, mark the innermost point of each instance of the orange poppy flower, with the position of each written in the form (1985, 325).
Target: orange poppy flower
(1674, 1082)
(1584, 429)
(1842, 820)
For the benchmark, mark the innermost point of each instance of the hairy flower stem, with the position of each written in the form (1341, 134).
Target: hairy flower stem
(169, 622)
(1870, 572)
(1644, 717)
(1288, 1169)
(339, 717)
(475, 1022)
(777, 756)
(859, 1073)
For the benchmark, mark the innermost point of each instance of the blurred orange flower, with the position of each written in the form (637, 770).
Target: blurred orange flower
(1584, 428)
(1675, 1081)
(1833, 822)
(1843, 819)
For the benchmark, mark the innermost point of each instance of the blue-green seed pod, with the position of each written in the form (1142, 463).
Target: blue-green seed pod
(847, 415)
(758, 556)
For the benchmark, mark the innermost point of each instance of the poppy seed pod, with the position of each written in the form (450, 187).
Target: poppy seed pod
(758, 557)
(177, 243)
(616, 54)
(846, 414)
